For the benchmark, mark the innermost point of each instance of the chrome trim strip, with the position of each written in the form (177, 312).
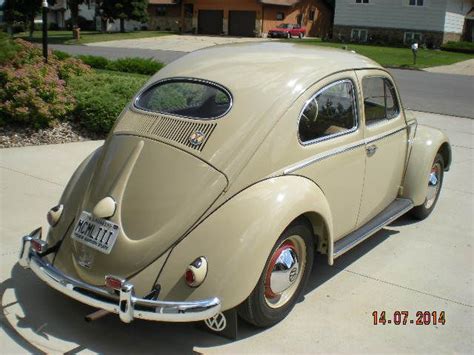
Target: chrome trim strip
(355, 109)
(339, 150)
(125, 304)
(322, 156)
(384, 135)
(138, 109)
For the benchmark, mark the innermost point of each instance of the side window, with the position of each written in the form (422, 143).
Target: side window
(380, 100)
(332, 111)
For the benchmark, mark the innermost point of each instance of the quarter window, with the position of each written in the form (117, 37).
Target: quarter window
(330, 112)
(380, 100)
(186, 97)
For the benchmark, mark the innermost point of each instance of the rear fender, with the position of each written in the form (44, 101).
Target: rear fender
(237, 239)
(425, 145)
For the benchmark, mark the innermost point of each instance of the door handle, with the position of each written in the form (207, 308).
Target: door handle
(371, 149)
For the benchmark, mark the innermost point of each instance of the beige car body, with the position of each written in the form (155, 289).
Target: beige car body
(232, 199)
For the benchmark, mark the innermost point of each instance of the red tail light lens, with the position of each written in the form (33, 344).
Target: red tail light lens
(189, 276)
(196, 272)
(39, 245)
(113, 282)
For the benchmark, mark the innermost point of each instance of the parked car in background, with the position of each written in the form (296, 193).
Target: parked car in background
(287, 30)
(226, 174)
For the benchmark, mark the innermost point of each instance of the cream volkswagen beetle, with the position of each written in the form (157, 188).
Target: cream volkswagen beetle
(227, 172)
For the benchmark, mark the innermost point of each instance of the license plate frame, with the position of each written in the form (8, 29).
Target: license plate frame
(97, 233)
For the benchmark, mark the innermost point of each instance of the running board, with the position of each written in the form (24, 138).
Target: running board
(397, 208)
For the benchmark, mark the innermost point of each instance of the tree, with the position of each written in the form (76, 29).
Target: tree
(125, 10)
(74, 6)
(23, 11)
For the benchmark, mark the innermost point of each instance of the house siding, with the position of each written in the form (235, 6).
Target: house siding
(456, 11)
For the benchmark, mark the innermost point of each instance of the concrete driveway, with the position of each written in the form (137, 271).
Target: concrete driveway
(408, 266)
(177, 43)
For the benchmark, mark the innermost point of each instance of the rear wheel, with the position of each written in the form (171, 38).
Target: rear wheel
(435, 182)
(283, 279)
(301, 35)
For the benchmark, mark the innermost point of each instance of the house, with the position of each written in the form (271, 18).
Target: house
(432, 22)
(238, 17)
(59, 15)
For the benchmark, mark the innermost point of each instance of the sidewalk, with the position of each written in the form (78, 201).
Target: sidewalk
(423, 266)
(461, 68)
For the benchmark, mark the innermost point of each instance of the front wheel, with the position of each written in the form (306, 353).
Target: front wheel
(435, 182)
(301, 35)
(283, 279)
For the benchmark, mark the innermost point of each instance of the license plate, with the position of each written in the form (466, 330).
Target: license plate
(96, 233)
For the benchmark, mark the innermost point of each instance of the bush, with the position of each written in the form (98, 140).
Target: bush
(8, 48)
(95, 61)
(101, 97)
(32, 92)
(135, 65)
(61, 55)
(463, 47)
(127, 65)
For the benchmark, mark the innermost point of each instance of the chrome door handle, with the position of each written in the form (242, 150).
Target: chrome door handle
(371, 149)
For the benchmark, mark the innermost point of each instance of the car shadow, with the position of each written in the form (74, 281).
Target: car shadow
(50, 315)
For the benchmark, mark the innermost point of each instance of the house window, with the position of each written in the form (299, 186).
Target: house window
(280, 16)
(416, 2)
(161, 11)
(411, 37)
(312, 15)
(359, 35)
(362, 1)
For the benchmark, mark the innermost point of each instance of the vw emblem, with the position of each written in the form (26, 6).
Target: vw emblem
(196, 138)
(217, 323)
(293, 274)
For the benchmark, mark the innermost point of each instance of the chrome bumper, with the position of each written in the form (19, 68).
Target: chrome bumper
(125, 304)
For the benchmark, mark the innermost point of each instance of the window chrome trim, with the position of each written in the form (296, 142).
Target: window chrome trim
(355, 109)
(185, 79)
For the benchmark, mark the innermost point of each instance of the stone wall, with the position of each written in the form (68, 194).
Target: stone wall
(389, 36)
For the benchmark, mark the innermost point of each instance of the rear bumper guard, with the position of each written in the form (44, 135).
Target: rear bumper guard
(125, 304)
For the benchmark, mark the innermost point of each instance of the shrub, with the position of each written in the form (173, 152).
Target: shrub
(135, 65)
(463, 47)
(61, 55)
(32, 92)
(33, 95)
(8, 48)
(95, 61)
(101, 97)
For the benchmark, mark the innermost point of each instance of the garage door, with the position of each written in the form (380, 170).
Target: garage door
(210, 22)
(242, 23)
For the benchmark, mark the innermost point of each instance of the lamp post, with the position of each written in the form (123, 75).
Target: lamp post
(45, 30)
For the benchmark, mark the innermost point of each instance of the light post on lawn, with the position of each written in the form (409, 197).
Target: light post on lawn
(45, 30)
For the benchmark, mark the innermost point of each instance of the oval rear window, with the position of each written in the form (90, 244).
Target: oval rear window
(188, 98)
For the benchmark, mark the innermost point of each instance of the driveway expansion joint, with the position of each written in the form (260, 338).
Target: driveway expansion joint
(32, 176)
(405, 287)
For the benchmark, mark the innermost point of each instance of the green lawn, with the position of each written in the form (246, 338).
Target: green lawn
(398, 57)
(65, 37)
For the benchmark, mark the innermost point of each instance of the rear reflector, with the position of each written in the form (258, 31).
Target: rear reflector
(113, 282)
(39, 245)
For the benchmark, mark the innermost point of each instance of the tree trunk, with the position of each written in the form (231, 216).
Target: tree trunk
(74, 13)
(122, 25)
(32, 24)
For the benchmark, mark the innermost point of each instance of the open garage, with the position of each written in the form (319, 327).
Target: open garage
(210, 22)
(242, 23)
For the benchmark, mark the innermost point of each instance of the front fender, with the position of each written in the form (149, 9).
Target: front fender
(237, 239)
(425, 145)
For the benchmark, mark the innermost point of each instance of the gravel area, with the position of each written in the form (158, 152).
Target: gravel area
(64, 132)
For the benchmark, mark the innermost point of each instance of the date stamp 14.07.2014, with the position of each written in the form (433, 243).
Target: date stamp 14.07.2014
(405, 318)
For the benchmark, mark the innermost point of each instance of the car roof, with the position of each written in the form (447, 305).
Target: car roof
(272, 67)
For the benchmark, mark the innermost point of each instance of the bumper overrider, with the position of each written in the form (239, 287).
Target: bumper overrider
(122, 301)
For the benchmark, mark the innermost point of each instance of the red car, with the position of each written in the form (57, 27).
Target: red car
(287, 30)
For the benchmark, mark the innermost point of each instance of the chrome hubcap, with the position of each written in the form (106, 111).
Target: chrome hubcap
(284, 271)
(433, 185)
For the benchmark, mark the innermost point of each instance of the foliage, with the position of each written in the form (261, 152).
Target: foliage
(463, 47)
(22, 12)
(102, 96)
(125, 10)
(127, 65)
(61, 55)
(34, 93)
(8, 48)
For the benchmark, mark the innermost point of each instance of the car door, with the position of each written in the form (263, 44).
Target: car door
(332, 146)
(385, 137)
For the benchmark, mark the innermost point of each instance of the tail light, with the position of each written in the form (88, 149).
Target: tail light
(113, 282)
(196, 272)
(54, 214)
(39, 245)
